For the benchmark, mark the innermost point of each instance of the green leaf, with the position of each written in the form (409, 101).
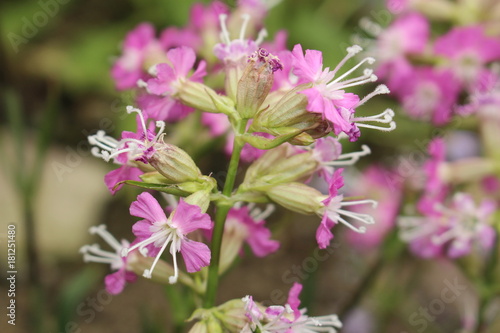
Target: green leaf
(167, 188)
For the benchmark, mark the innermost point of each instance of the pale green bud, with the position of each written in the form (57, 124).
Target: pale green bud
(256, 82)
(174, 164)
(204, 98)
(199, 198)
(297, 197)
(277, 166)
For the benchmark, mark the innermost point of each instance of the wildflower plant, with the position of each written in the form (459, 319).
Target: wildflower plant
(284, 114)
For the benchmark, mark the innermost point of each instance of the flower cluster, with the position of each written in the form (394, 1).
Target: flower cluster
(282, 111)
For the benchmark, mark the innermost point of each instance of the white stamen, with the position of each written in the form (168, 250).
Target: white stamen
(257, 215)
(224, 33)
(391, 127)
(246, 19)
(380, 90)
(360, 202)
(351, 52)
(370, 27)
(101, 231)
(261, 36)
(360, 230)
(131, 109)
(350, 158)
(369, 60)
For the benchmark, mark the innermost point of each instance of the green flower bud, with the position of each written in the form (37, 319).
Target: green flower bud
(297, 197)
(174, 164)
(204, 98)
(256, 82)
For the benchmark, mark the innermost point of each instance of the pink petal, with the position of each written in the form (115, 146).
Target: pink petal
(124, 172)
(309, 67)
(293, 299)
(195, 254)
(183, 59)
(148, 208)
(323, 233)
(115, 282)
(188, 218)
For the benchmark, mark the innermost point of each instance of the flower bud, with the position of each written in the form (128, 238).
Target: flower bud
(200, 199)
(174, 163)
(201, 97)
(280, 165)
(256, 82)
(297, 197)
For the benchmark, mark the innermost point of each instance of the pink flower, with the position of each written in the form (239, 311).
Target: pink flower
(332, 212)
(407, 35)
(468, 49)
(115, 282)
(169, 79)
(429, 94)
(484, 99)
(288, 318)
(375, 183)
(140, 44)
(131, 152)
(328, 97)
(155, 233)
(251, 226)
(452, 230)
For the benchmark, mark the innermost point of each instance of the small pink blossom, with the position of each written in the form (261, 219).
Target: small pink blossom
(332, 212)
(251, 225)
(468, 49)
(139, 44)
(168, 79)
(129, 152)
(429, 94)
(288, 318)
(115, 282)
(157, 232)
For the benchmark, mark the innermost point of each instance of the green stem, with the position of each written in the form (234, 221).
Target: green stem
(220, 220)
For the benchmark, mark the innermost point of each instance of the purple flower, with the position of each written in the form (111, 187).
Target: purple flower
(429, 94)
(327, 95)
(468, 49)
(168, 80)
(332, 212)
(407, 35)
(288, 318)
(450, 230)
(115, 282)
(140, 44)
(250, 225)
(157, 232)
(131, 152)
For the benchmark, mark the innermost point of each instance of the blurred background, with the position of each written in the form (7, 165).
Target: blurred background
(55, 89)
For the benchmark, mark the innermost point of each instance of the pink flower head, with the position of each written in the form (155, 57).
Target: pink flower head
(327, 95)
(452, 230)
(140, 44)
(132, 148)
(155, 233)
(332, 212)
(468, 224)
(374, 183)
(288, 318)
(251, 225)
(429, 94)
(468, 49)
(435, 190)
(167, 82)
(115, 282)
(203, 27)
(407, 35)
